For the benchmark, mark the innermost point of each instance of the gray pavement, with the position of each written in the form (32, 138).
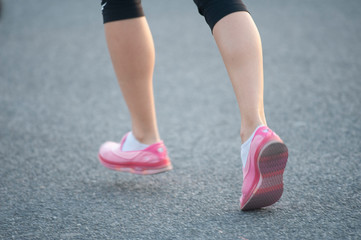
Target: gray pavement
(59, 101)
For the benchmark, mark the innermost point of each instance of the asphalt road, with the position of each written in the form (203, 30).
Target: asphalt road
(59, 100)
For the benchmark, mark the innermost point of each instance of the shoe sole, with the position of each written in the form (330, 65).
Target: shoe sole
(271, 163)
(136, 170)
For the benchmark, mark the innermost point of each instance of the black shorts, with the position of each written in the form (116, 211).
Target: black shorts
(212, 10)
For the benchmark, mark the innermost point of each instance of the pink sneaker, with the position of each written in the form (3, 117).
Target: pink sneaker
(263, 173)
(154, 159)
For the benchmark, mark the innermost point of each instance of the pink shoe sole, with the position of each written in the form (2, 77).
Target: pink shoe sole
(136, 169)
(271, 164)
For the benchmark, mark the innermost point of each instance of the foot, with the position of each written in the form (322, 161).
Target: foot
(263, 172)
(151, 160)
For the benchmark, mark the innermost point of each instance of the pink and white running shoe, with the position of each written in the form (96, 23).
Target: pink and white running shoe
(151, 160)
(263, 173)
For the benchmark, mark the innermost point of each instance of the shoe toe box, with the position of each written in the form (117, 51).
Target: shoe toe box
(107, 148)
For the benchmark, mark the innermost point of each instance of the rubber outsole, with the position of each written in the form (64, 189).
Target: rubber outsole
(271, 164)
(136, 170)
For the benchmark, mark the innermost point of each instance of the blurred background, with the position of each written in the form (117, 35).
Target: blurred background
(59, 100)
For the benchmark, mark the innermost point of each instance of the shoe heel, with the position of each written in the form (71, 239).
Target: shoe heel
(271, 163)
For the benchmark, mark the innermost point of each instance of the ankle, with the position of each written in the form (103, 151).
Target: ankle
(247, 130)
(146, 138)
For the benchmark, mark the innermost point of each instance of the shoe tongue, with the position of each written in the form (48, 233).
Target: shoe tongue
(123, 140)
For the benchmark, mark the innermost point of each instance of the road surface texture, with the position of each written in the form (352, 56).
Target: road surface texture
(59, 100)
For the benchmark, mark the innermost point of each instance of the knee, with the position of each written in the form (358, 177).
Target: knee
(114, 10)
(215, 10)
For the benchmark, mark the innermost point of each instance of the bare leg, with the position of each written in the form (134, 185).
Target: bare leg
(239, 42)
(131, 49)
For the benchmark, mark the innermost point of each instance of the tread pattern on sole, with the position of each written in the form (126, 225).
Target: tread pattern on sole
(271, 162)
